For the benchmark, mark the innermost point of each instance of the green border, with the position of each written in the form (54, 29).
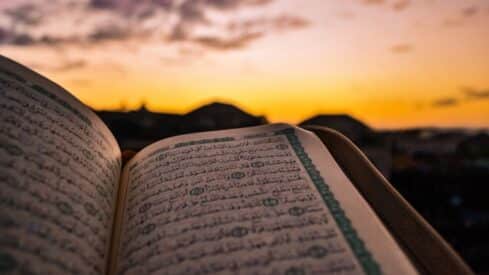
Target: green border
(370, 266)
(203, 141)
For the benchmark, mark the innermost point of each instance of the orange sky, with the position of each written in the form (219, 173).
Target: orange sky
(393, 64)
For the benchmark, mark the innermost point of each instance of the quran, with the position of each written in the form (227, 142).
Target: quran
(260, 200)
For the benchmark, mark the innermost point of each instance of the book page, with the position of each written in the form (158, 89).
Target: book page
(59, 170)
(260, 200)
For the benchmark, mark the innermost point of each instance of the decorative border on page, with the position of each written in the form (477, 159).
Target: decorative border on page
(370, 266)
(203, 141)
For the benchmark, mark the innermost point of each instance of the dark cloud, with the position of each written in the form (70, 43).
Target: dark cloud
(470, 11)
(16, 39)
(401, 5)
(402, 48)
(195, 10)
(470, 94)
(475, 94)
(99, 34)
(445, 102)
(130, 5)
(460, 19)
(177, 21)
(179, 32)
(217, 43)
(103, 4)
(192, 11)
(109, 32)
(22, 39)
(233, 4)
(24, 14)
(3, 34)
(278, 23)
(223, 4)
(286, 22)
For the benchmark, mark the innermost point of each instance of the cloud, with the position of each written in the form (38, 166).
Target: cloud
(130, 5)
(3, 34)
(474, 94)
(25, 13)
(180, 32)
(93, 22)
(286, 22)
(192, 11)
(461, 18)
(21, 40)
(445, 102)
(401, 5)
(17, 39)
(109, 32)
(401, 48)
(470, 94)
(278, 23)
(238, 42)
(233, 4)
(470, 11)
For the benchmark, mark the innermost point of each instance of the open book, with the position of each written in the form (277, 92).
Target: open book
(260, 200)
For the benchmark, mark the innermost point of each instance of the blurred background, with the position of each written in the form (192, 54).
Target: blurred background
(406, 80)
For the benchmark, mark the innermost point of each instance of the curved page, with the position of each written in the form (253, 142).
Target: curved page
(260, 200)
(59, 170)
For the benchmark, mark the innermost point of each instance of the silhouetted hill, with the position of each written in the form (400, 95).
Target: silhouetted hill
(218, 116)
(351, 127)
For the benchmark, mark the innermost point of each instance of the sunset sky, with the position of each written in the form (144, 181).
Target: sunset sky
(391, 63)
